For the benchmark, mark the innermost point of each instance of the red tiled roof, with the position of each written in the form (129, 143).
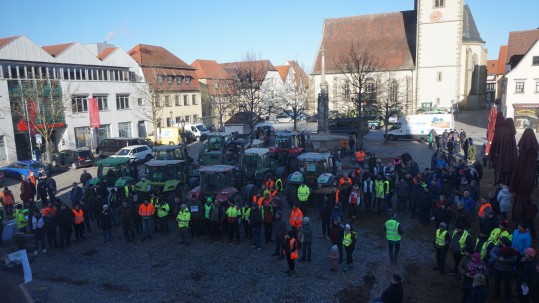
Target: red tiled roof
(502, 60)
(209, 69)
(7, 40)
(156, 56)
(55, 50)
(519, 44)
(492, 67)
(150, 74)
(262, 65)
(391, 37)
(106, 52)
(283, 71)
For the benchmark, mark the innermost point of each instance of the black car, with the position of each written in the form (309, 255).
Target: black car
(311, 119)
(110, 146)
(73, 158)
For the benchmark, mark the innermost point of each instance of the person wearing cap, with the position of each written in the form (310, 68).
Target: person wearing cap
(349, 243)
(393, 293)
(527, 274)
(183, 218)
(505, 258)
(279, 232)
(105, 219)
(499, 232)
(393, 230)
(460, 240)
(307, 231)
(521, 239)
(441, 244)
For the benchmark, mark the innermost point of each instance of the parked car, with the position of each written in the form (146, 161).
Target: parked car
(348, 126)
(110, 146)
(137, 152)
(311, 119)
(73, 158)
(283, 119)
(22, 169)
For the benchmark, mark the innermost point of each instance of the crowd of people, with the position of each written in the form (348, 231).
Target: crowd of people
(469, 223)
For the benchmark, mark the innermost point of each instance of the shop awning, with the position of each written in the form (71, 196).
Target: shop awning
(525, 105)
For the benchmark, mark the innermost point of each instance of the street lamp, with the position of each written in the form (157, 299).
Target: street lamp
(170, 124)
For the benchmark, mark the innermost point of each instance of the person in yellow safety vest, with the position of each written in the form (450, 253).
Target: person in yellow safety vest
(460, 240)
(154, 200)
(128, 189)
(21, 217)
(481, 245)
(303, 197)
(245, 214)
(441, 244)
(499, 233)
(183, 218)
(162, 216)
(380, 193)
(279, 184)
(393, 231)
(232, 215)
(349, 243)
(208, 208)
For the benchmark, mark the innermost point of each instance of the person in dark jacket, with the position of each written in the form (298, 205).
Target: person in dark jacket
(528, 266)
(255, 221)
(267, 219)
(393, 293)
(337, 234)
(85, 177)
(325, 213)
(64, 219)
(506, 259)
(290, 249)
(105, 220)
(489, 223)
(307, 230)
(442, 214)
(425, 204)
(76, 194)
(51, 187)
(127, 221)
(279, 232)
(49, 215)
(42, 192)
(478, 292)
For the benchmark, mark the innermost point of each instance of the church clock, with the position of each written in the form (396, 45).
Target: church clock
(436, 16)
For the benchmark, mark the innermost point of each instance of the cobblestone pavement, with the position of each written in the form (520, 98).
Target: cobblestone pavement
(161, 270)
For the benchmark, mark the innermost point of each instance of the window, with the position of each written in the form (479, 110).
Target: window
(439, 3)
(102, 102)
(187, 80)
(82, 137)
(169, 122)
(186, 119)
(179, 80)
(216, 85)
(178, 119)
(537, 87)
(159, 79)
(519, 87)
(439, 77)
(195, 118)
(79, 104)
(169, 79)
(185, 100)
(139, 101)
(194, 99)
(394, 92)
(122, 101)
(491, 87)
(124, 129)
(167, 101)
(177, 100)
(103, 132)
(535, 60)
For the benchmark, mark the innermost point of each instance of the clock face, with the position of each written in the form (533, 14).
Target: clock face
(436, 16)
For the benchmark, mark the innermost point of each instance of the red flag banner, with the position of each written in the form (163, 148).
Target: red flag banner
(32, 114)
(93, 109)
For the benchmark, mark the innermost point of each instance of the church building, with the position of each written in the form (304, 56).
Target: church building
(434, 52)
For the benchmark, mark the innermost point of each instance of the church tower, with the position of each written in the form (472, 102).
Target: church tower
(439, 44)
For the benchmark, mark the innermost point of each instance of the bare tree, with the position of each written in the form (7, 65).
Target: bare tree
(247, 88)
(40, 107)
(358, 66)
(293, 99)
(390, 97)
(218, 94)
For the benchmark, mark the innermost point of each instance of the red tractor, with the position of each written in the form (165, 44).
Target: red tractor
(288, 146)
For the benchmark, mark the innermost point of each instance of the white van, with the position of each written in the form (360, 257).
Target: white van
(419, 126)
(199, 130)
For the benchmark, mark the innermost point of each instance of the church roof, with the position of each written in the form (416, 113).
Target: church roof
(391, 37)
(470, 33)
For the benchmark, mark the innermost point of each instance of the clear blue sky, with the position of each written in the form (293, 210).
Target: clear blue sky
(277, 30)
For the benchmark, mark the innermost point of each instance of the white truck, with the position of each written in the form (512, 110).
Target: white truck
(419, 126)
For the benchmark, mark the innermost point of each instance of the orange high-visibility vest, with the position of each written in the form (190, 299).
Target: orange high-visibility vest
(48, 211)
(7, 199)
(146, 211)
(260, 201)
(337, 196)
(33, 179)
(294, 253)
(269, 184)
(481, 211)
(273, 193)
(344, 180)
(296, 217)
(360, 156)
(79, 216)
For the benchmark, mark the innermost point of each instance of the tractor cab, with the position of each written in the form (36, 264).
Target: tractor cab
(217, 141)
(168, 176)
(223, 148)
(311, 167)
(258, 164)
(290, 142)
(218, 181)
(171, 152)
(115, 172)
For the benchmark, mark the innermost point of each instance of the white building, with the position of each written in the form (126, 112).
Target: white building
(434, 52)
(99, 71)
(520, 99)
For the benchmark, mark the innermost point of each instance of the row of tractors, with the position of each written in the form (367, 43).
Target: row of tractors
(230, 167)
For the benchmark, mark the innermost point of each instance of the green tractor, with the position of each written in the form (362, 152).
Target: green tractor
(224, 148)
(258, 164)
(171, 152)
(317, 170)
(170, 177)
(115, 172)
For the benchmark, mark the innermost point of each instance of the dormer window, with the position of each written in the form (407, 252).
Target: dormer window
(187, 80)
(178, 80)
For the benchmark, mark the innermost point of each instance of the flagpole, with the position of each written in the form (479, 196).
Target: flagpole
(27, 121)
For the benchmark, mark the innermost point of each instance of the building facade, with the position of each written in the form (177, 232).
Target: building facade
(434, 52)
(80, 72)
